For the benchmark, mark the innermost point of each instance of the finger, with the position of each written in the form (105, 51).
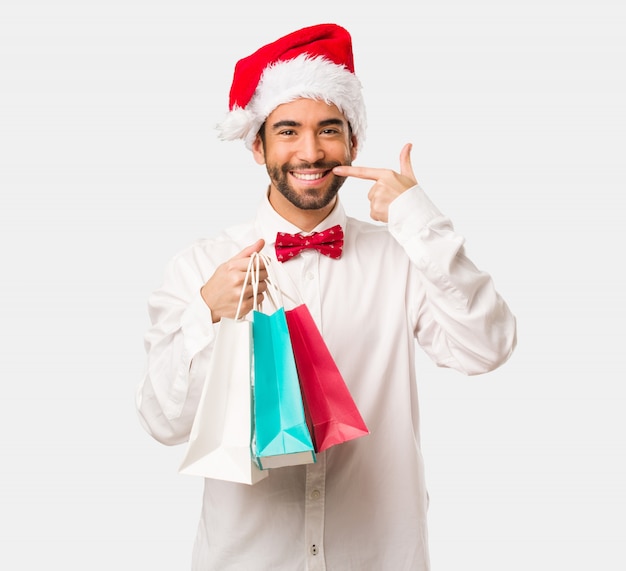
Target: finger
(249, 250)
(406, 168)
(248, 292)
(360, 172)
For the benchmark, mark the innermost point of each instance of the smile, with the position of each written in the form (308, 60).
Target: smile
(309, 176)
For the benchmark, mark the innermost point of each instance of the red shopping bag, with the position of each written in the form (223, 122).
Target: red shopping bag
(331, 413)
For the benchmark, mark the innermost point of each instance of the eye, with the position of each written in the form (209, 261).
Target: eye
(287, 132)
(330, 131)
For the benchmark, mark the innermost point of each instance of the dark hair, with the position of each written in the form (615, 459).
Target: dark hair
(261, 132)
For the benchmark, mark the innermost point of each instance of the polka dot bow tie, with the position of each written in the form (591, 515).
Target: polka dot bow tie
(328, 242)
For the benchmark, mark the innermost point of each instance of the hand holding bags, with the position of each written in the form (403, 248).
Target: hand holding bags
(281, 433)
(219, 442)
(273, 395)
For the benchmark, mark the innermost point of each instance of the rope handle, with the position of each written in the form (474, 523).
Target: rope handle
(249, 276)
(274, 294)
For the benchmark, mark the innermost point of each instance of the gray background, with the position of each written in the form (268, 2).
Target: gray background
(109, 164)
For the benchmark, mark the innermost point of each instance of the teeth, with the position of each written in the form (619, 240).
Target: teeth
(303, 176)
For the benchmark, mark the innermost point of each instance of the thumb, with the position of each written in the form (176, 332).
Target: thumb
(406, 168)
(249, 250)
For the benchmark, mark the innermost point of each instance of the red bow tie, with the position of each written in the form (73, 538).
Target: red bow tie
(328, 242)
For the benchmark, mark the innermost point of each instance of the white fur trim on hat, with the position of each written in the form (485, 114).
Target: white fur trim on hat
(301, 77)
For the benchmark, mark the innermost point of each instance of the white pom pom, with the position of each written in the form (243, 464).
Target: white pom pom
(236, 124)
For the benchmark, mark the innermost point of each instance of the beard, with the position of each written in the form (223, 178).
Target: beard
(311, 198)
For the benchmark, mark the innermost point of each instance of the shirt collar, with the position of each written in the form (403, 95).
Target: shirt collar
(270, 222)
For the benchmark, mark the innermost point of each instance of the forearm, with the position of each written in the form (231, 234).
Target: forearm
(178, 348)
(461, 321)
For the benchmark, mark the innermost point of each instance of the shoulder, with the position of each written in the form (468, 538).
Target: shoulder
(208, 253)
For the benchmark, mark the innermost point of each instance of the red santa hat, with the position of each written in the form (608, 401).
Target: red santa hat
(314, 63)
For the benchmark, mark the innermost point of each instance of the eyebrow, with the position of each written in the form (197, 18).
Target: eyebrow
(290, 123)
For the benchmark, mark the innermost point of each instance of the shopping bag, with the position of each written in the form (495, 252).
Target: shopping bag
(281, 434)
(221, 434)
(331, 413)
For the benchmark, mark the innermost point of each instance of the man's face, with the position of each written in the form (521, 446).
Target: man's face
(304, 140)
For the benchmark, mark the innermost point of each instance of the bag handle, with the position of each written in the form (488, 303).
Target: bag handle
(273, 293)
(249, 277)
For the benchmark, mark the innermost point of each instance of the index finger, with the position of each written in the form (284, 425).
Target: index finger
(360, 172)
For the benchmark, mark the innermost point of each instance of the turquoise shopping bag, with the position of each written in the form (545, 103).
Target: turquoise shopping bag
(281, 435)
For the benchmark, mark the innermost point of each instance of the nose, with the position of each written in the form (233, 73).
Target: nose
(310, 148)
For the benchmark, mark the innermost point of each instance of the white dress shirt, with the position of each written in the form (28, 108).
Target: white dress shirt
(362, 506)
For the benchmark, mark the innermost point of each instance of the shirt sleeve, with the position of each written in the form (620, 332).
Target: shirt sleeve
(178, 346)
(460, 319)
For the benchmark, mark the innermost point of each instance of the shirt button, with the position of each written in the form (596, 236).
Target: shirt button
(315, 495)
(309, 276)
(314, 550)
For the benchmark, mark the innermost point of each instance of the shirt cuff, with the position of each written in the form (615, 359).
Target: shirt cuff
(411, 212)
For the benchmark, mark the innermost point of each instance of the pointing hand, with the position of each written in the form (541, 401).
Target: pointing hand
(388, 183)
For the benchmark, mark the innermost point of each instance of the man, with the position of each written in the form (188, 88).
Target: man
(362, 505)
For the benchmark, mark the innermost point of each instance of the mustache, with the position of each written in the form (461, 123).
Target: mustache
(321, 165)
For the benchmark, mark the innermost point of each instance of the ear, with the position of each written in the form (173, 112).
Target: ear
(354, 148)
(258, 151)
